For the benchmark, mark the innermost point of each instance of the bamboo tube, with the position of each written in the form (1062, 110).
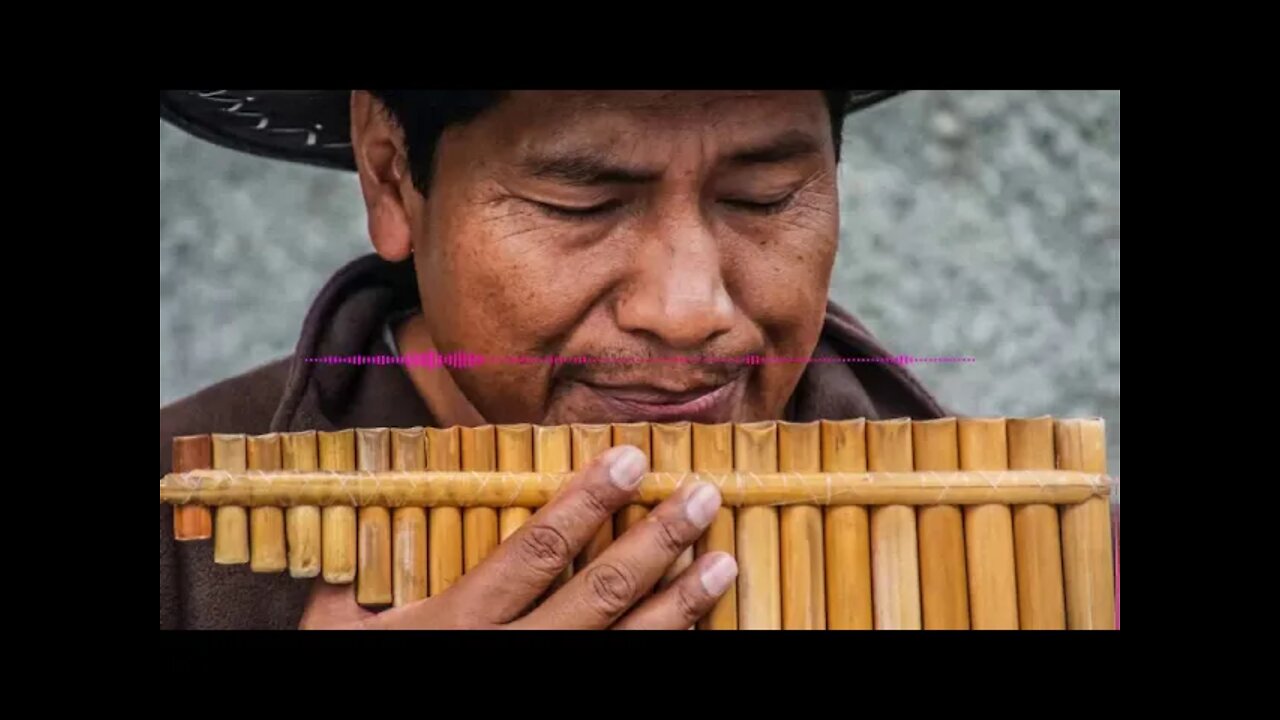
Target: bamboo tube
(515, 454)
(1037, 539)
(338, 522)
(479, 524)
(408, 524)
(713, 452)
(590, 441)
(1086, 530)
(267, 547)
(848, 531)
(1115, 536)
(303, 533)
(444, 550)
(993, 589)
(552, 454)
(636, 434)
(192, 522)
(673, 453)
(895, 563)
(231, 523)
(627, 517)
(759, 583)
(535, 489)
(373, 578)
(944, 583)
(804, 591)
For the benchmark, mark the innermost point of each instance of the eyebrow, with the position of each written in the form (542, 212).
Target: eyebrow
(787, 146)
(589, 167)
(584, 168)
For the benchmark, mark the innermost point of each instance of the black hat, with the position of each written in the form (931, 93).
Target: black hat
(304, 126)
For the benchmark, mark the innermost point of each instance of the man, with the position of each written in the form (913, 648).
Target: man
(627, 227)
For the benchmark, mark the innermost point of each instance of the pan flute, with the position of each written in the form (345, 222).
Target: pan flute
(956, 523)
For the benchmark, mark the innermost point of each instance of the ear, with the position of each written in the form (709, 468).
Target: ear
(383, 169)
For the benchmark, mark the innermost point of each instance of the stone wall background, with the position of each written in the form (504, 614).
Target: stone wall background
(984, 224)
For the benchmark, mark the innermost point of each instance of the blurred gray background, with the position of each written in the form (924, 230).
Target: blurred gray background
(984, 224)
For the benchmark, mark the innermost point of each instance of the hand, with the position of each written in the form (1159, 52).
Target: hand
(498, 592)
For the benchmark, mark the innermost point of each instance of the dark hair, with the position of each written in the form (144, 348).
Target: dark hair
(423, 116)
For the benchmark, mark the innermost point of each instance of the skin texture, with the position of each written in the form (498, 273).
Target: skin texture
(682, 258)
(628, 225)
(496, 593)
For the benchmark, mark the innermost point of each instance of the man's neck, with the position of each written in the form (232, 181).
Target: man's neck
(443, 397)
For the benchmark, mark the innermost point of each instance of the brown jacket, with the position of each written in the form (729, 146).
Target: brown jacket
(348, 318)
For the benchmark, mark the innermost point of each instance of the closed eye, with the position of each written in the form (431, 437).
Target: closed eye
(762, 208)
(578, 213)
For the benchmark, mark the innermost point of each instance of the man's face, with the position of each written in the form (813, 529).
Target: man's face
(633, 228)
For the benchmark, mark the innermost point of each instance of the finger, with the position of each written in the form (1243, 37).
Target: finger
(332, 607)
(605, 589)
(686, 600)
(526, 564)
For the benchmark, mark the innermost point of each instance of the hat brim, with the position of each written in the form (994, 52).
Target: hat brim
(311, 127)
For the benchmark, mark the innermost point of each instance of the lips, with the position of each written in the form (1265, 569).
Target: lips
(640, 403)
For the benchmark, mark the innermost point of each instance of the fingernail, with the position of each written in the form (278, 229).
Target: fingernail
(626, 467)
(702, 504)
(717, 578)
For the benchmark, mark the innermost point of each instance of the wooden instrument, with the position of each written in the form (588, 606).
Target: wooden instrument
(957, 523)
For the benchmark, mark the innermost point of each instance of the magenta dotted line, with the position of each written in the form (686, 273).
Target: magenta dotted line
(462, 359)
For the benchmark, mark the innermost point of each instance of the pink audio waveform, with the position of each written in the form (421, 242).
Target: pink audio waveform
(469, 360)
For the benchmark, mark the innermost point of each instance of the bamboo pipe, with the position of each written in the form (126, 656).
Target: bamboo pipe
(553, 453)
(713, 452)
(589, 442)
(302, 523)
(515, 454)
(1037, 537)
(847, 531)
(192, 522)
(895, 563)
(804, 593)
(993, 588)
(408, 524)
(373, 555)
(943, 581)
(444, 523)
(673, 452)
(231, 523)
(339, 542)
(755, 447)
(1087, 560)
(636, 434)
(479, 524)
(267, 544)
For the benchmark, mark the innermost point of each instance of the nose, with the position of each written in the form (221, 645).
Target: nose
(677, 294)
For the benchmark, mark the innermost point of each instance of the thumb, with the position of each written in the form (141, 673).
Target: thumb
(333, 607)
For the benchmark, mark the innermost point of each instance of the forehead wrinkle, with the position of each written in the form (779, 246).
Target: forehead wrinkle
(561, 108)
(642, 134)
(682, 101)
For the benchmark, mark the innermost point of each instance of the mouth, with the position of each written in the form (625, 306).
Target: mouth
(646, 403)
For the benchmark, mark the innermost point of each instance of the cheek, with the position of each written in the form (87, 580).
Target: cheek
(781, 283)
(512, 287)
